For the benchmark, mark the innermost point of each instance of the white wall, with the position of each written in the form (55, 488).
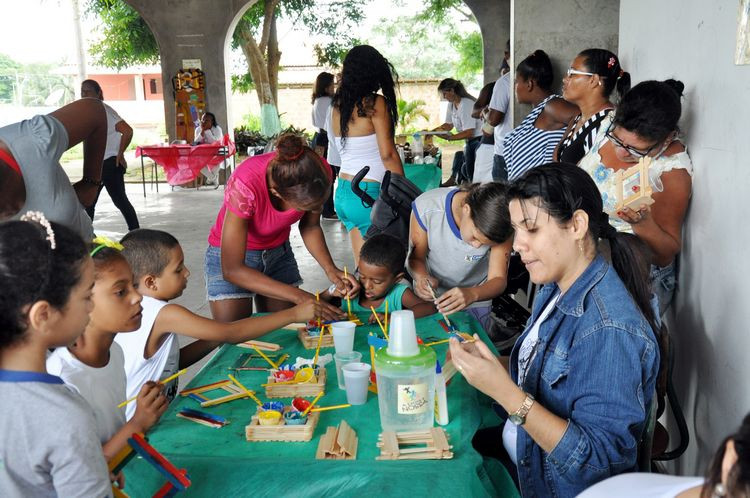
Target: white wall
(694, 41)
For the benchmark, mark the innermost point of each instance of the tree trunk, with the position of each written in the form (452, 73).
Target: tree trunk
(274, 58)
(258, 67)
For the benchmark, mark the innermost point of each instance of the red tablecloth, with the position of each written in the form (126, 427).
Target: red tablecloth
(183, 163)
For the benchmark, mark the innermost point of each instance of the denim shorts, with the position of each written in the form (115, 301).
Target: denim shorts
(350, 208)
(277, 263)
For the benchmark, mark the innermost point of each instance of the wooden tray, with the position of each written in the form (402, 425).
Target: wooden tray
(311, 342)
(306, 389)
(299, 433)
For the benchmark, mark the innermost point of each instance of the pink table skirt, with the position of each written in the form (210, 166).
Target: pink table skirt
(183, 163)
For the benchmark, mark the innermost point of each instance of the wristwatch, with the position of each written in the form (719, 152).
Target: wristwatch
(519, 417)
(91, 181)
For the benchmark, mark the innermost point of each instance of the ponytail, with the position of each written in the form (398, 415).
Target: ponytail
(561, 190)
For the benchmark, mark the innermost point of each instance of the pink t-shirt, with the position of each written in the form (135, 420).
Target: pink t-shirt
(246, 195)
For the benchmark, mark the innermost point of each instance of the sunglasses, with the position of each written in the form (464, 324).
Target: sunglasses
(630, 150)
(573, 72)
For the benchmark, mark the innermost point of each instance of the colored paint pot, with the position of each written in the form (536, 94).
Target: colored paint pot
(300, 404)
(283, 375)
(270, 417)
(295, 418)
(273, 406)
(305, 374)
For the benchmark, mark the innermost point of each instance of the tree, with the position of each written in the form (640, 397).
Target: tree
(256, 36)
(409, 112)
(8, 76)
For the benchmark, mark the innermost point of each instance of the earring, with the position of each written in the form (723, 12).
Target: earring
(580, 245)
(719, 490)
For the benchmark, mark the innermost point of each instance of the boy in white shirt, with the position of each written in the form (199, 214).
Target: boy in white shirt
(152, 352)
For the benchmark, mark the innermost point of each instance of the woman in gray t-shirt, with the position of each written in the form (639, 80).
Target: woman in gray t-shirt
(461, 243)
(31, 178)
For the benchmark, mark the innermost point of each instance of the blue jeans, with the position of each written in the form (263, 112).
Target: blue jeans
(277, 263)
(498, 169)
(470, 155)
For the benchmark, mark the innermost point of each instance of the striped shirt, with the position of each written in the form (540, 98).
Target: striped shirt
(527, 146)
(576, 145)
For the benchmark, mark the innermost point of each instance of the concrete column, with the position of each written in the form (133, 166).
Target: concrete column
(139, 92)
(562, 29)
(192, 29)
(493, 17)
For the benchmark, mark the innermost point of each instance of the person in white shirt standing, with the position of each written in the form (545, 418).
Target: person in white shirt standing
(459, 116)
(499, 117)
(119, 135)
(321, 101)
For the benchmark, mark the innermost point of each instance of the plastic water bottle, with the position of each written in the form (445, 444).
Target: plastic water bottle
(406, 378)
(417, 146)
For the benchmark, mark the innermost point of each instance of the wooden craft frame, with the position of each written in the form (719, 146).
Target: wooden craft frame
(302, 389)
(286, 433)
(429, 444)
(227, 385)
(311, 341)
(338, 443)
(245, 361)
(263, 346)
(642, 196)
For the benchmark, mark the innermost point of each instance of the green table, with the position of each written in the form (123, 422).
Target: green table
(425, 176)
(221, 463)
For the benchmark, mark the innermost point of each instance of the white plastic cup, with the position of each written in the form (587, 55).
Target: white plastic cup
(403, 334)
(343, 336)
(342, 359)
(356, 380)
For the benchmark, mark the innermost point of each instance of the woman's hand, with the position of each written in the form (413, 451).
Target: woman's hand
(346, 286)
(310, 308)
(634, 217)
(422, 287)
(456, 299)
(480, 367)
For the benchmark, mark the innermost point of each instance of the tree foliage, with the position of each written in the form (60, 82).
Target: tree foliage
(32, 84)
(127, 39)
(409, 112)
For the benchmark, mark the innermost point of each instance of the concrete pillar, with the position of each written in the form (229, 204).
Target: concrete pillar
(562, 29)
(139, 91)
(193, 29)
(493, 17)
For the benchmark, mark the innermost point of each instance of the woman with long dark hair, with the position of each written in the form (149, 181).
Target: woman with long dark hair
(363, 121)
(645, 124)
(589, 82)
(468, 128)
(588, 356)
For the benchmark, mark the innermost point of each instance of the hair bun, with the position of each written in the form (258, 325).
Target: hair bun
(290, 147)
(676, 85)
(540, 53)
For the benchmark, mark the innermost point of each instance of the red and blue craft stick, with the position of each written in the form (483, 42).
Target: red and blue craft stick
(178, 479)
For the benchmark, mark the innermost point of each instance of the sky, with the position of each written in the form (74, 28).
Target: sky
(52, 39)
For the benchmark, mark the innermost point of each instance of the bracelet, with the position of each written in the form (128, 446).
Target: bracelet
(91, 181)
(332, 289)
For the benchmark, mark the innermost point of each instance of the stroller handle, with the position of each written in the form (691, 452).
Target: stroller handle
(366, 198)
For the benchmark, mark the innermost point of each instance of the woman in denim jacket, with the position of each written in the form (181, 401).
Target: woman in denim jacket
(581, 378)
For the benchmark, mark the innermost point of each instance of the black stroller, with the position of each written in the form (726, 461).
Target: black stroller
(392, 209)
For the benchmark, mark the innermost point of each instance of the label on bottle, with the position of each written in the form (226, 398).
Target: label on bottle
(412, 399)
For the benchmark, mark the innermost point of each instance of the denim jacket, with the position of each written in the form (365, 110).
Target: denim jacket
(595, 366)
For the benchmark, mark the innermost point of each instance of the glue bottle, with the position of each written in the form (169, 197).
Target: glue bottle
(441, 400)
(406, 378)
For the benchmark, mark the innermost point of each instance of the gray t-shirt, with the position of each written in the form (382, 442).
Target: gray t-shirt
(49, 446)
(37, 145)
(449, 259)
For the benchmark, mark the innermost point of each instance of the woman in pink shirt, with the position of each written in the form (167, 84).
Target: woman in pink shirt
(249, 253)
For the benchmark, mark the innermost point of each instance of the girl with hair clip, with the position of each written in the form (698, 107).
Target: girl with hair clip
(588, 356)
(728, 475)
(645, 124)
(95, 365)
(459, 115)
(362, 130)
(249, 253)
(49, 446)
(533, 142)
(461, 241)
(588, 83)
